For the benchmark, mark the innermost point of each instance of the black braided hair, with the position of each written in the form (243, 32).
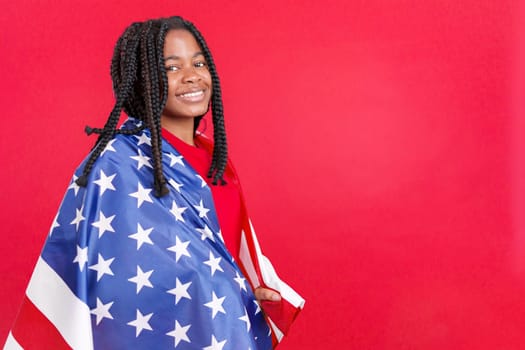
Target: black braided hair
(140, 85)
(220, 150)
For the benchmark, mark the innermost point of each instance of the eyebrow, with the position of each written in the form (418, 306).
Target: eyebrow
(175, 57)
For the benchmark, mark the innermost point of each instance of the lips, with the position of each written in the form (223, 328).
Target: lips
(192, 96)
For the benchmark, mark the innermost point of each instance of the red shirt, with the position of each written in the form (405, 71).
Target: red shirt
(226, 198)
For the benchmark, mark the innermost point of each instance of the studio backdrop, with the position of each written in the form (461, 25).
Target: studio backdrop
(380, 146)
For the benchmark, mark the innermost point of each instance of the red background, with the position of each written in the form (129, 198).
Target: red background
(381, 146)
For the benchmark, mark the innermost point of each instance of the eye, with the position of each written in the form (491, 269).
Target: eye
(200, 64)
(172, 68)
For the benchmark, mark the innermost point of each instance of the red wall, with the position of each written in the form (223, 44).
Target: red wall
(381, 146)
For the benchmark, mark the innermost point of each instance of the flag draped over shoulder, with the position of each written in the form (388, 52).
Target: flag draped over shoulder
(122, 269)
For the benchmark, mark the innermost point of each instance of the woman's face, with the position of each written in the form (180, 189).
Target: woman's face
(189, 81)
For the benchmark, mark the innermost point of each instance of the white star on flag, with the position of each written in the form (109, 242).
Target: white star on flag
(142, 160)
(174, 159)
(205, 233)
(177, 211)
(258, 307)
(142, 195)
(102, 267)
(141, 323)
(240, 281)
(105, 182)
(180, 291)
(215, 345)
(179, 333)
(246, 319)
(214, 263)
(109, 148)
(142, 236)
(215, 305)
(104, 224)
(54, 225)
(203, 211)
(78, 218)
(82, 257)
(203, 182)
(180, 249)
(222, 239)
(102, 310)
(143, 138)
(74, 185)
(141, 279)
(175, 184)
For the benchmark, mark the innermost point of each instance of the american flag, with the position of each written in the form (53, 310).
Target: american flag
(122, 269)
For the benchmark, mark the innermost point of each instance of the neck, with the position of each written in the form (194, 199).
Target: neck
(182, 128)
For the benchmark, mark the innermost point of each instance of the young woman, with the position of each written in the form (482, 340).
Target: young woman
(152, 247)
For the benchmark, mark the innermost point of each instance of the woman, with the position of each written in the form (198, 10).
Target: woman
(152, 247)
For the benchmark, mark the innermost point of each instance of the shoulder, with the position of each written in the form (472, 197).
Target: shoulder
(120, 149)
(122, 155)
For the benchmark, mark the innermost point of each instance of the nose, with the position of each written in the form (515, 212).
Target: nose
(190, 75)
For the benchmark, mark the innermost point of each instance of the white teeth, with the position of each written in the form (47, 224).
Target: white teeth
(192, 94)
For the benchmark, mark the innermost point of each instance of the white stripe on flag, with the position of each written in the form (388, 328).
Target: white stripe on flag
(271, 279)
(61, 306)
(276, 331)
(244, 256)
(11, 343)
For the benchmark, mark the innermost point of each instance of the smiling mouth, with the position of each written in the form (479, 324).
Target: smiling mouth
(192, 95)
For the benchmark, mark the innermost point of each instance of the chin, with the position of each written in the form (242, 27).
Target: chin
(185, 111)
(199, 112)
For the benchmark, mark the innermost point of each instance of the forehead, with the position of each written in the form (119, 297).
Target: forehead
(180, 43)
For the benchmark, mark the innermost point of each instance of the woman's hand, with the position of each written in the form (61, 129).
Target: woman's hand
(262, 294)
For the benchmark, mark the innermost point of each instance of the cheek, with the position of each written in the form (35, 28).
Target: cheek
(173, 83)
(171, 86)
(207, 77)
(209, 82)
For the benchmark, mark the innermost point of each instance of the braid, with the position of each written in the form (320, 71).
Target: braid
(220, 149)
(106, 134)
(163, 30)
(140, 84)
(131, 131)
(153, 111)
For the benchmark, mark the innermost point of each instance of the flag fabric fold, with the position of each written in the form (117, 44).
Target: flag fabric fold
(123, 269)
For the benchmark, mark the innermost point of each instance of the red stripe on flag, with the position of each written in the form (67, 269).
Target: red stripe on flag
(32, 330)
(282, 313)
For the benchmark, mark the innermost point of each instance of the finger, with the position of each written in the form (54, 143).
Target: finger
(266, 294)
